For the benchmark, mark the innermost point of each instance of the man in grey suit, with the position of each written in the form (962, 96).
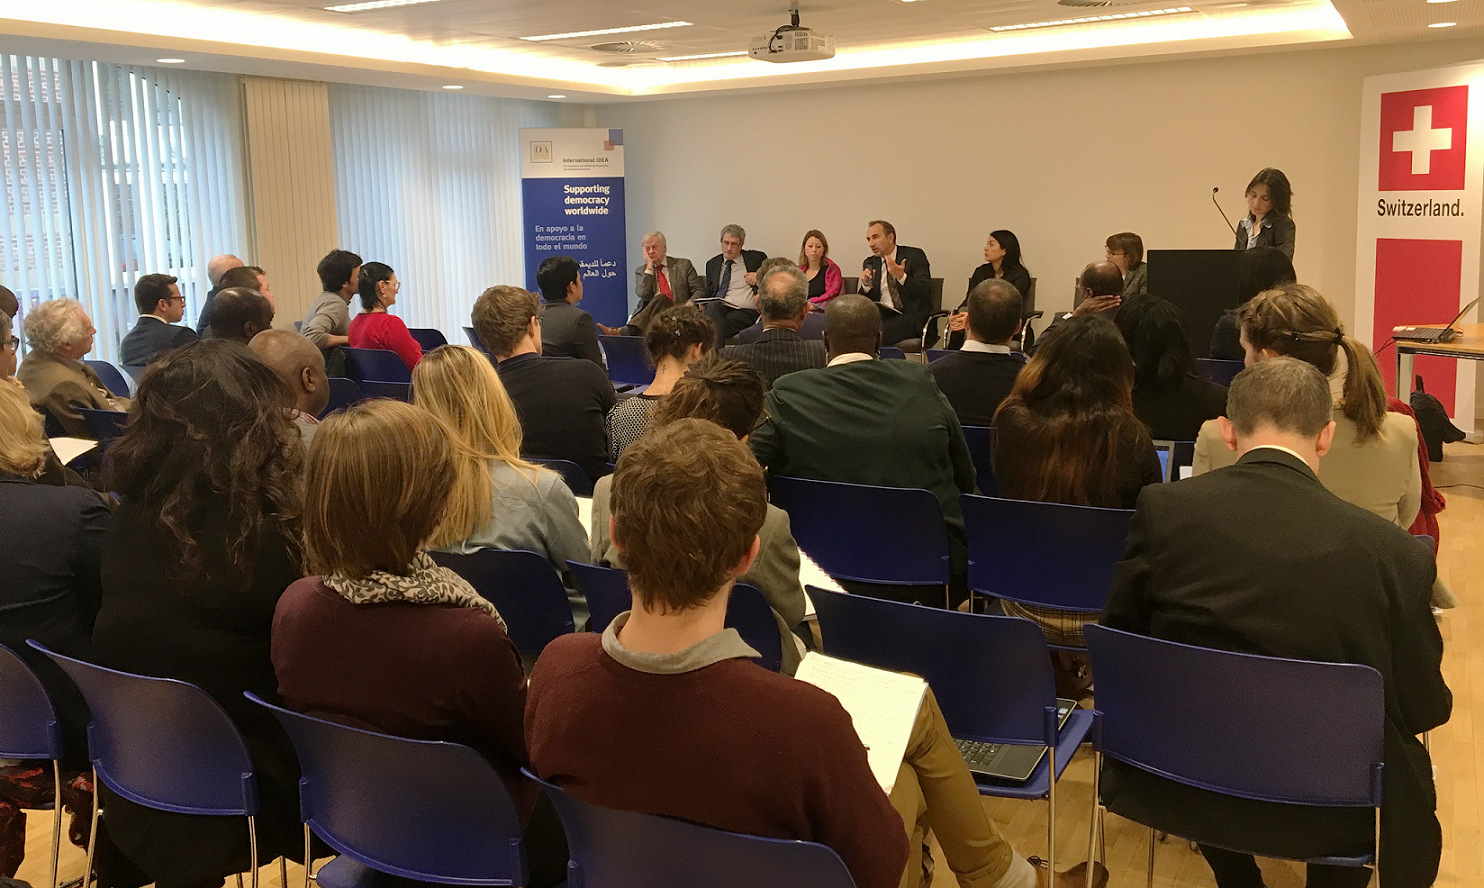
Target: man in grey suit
(783, 302)
(566, 330)
(662, 281)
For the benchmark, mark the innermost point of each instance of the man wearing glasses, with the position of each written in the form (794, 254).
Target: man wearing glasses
(160, 307)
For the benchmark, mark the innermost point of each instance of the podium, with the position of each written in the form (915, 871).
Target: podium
(1201, 283)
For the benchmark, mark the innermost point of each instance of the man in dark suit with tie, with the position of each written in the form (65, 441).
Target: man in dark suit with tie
(160, 306)
(1260, 558)
(566, 330)
(861, 420)
(661, 282)
(783, 302)
(899, 280)
(731, 277)
(979, 376)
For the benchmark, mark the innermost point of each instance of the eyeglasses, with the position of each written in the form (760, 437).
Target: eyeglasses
(10, 342)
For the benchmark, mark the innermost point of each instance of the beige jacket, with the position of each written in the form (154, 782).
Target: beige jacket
(61, 385)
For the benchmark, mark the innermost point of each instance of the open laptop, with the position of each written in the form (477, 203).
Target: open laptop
(1430, 332)
(1005, 762)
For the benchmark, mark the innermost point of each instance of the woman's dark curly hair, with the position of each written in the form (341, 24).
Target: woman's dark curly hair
(209, 425)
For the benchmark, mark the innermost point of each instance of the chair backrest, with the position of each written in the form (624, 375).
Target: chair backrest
(628, 364)
(577, 480)
(981, 449)
(524, 588)
(934, 354)
(105, 424)
(889, 535)
(1046, 554)
(112, 377)
(475, 341)
(430, 811)
(935, 295)
(343, 393)
(377, 364)
(1262, 728)
(395, 391)
(626, 849)
(427, 338)
(606, 590)
(30, 728)
(991, 674)
(891, 353)
(162, 743)
(1219, 371)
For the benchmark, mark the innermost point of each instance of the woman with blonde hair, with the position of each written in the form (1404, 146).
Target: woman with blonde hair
(499, 501)
(825, 278)
(1373, 461)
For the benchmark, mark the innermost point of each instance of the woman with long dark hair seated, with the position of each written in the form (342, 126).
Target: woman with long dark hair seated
(206, 540)
(1169, 395)
(1001, 260)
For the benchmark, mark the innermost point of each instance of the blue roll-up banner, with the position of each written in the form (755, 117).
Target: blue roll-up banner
(572, 185)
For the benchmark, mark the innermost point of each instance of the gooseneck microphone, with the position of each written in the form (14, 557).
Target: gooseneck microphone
(1222, 212)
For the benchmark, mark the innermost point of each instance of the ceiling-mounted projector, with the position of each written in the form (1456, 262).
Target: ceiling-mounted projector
(791, 43)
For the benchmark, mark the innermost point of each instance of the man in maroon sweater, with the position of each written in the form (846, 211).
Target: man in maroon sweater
(663, 713)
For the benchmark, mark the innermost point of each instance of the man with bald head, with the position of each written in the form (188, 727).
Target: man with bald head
(861, 420)
(218, 266)
(301, 366)
(1099, 291)
(240, 314)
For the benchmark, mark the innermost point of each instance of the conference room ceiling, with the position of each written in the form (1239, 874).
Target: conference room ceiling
(484, 45)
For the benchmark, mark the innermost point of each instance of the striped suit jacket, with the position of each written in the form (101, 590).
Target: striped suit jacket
(778, 351)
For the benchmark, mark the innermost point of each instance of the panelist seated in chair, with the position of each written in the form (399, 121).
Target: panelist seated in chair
(1260, 558)
(732, 277)
(899, 280)
(630, 719)
(662, 281)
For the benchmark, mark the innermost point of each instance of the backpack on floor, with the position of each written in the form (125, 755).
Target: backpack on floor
(1437, 428)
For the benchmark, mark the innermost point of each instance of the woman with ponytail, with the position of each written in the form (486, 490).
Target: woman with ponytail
(1373, 461)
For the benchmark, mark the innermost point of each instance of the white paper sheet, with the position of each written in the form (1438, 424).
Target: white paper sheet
(68, 449)
(882, 705)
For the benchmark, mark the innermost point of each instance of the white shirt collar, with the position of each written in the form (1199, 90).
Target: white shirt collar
(850, 358)
(156, 317)
(974, 345)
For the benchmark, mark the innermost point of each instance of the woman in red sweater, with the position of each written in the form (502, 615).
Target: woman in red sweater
(374, 327)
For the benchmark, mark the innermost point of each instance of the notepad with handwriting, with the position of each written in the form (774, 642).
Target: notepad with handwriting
(882, 705)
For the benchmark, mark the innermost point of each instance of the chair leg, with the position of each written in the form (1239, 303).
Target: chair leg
(1051, 814)
(56, 819)
(87, 873)
(283, 872)
(1095, 820)
(252, 850)
(1150, 881)
(308, 860)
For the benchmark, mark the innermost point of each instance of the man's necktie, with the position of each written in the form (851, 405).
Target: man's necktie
(891, 286)
(726, 280)
(664, 282)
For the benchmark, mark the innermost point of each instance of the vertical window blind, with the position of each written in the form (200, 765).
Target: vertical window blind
(430, 185)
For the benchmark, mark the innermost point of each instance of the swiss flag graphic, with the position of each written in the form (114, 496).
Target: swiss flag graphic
(1423, 135)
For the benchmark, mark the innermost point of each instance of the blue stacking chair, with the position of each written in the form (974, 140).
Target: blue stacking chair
(31, 730)
(1222, 372)
(395, 391)
(888, 535)
(628, 363)
(415, 809)
(626, 849)
(478, 343)
(112, 377)
(1044, 554)
(105, 424)
(577, 480)
(1265, 728)
(375, 364)
(891, 353)
(991, 675)
(343, 393)
(163, 744)
(427, 338)
(981, 449)
(524, 588)
(934, 354)
(607, 592)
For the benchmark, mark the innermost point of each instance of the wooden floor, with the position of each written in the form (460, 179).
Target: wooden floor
(1458, 762)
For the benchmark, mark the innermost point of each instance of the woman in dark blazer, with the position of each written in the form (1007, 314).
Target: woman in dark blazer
(1001, 260)
(204, 544)
(1269, 219)
(1169, 396)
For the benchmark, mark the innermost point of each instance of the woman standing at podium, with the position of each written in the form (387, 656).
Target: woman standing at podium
(1269, 221)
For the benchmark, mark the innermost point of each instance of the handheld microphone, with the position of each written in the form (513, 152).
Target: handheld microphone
(1222, 212)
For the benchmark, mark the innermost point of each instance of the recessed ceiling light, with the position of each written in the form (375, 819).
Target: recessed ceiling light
(556, 96)
(452, 86)
(171, 61)
(1440, 1)
(1442, 24)
(629, 30)
(375, 4)
(704, 55)
(1092, 19)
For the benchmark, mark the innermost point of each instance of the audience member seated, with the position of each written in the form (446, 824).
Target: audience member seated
(1099, 292)
(251, 277)
(813, 326)
(301, 367)
(375, 327)
(861, 420)
(500, 501)
(783, 303)
(160, 307)
(977, 378)
(734, 283)
(384, 639)
(52, 471)
(9, 305)
(899, 280)
(826, 281)
(676, 338)
(1259, 558)
(240, 314)
(59, 332)
(566, 330)
(1169, 394)
(662, 281)
(1067, 433)
(197, 556)
(730, 394)
(216, 267)
(327, 324)
(1126, 250)
(1258, 269)
(562, 403)
(617, 719)
(1373, 462)
(1001, 260)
